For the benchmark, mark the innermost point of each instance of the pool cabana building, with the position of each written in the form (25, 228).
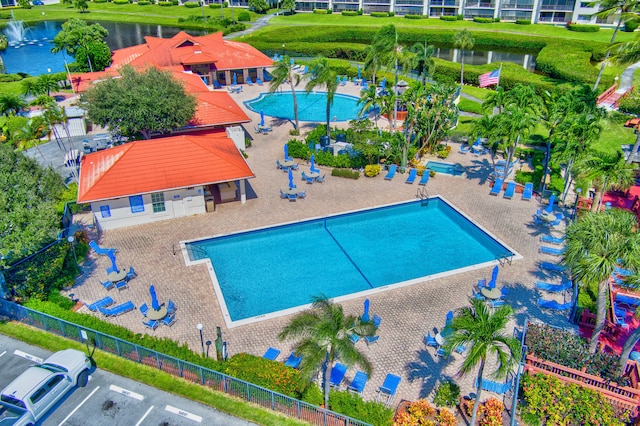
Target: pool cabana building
(158, 179)
(210, 57)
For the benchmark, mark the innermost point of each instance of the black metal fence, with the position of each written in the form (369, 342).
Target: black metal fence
(192, 372)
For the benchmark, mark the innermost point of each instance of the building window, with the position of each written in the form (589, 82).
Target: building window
(157, 200)
(105, 211)
(136, 203)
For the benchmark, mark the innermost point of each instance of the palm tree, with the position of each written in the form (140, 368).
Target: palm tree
(283, 72)
(483, 334)
(323, 76)
(595, 244)
(11, 103)
(494, 100)
(369, 99)
(324, 336)
(627, 10)
(463, 40)
(45, 84)
(423, 60)
(372, 62)
(4, 43)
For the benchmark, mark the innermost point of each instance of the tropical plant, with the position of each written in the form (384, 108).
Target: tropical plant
(595, 244)
(483, 334)
(324, 336)
(44, 84)
(431, 114)
(11, 103)
(81, 5)
(321, 75)
(369, 99)
(423, 59)
(463, 40)
(372, 62)
(283, 72)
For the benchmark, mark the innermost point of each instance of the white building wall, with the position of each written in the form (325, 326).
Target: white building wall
(178, 203)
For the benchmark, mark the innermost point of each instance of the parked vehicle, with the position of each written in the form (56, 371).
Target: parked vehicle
(28, 398)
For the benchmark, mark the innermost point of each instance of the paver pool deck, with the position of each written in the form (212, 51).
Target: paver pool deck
(407, 313)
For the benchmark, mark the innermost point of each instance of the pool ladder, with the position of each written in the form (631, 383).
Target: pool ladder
(423, 195)
(505, 259)
(196, 252)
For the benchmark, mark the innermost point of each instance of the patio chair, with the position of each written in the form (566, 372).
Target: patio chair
(497, 187)
(108, 285)
(449, 318)
(302, 194)
(152, 324)
(554, 251)
(131, 274)
(388, 388)
(344, 81)
(552, 266)
(412, 176)
(121, 285)
(293, 361)
(460, 349)
(627, 300)
(511, 189)
(504, 292)
(552, 239)
(429, 340)
(271, 354)
(279, 165)
(320, 179)
(292, 197)
(171, 307)
(337, 374)
(441, 352)
(144, 308)
(249, 82)
(527, 193)
(552, 304)
(295, 166)
(359, 382)
(391, 173)
(306, 178)
(464, 148)
(283, 195)
(477, 295)
(169, 320)
(258, 130)
(497, 303)
(259, 82)
(622, 271)
(425, 177)
(376, 323)
(216, 85)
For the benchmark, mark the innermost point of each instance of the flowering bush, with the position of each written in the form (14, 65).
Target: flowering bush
(421, 413)
(263, 372)
(489, 412)
(568, 349)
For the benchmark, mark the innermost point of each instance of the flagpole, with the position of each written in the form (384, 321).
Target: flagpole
(499, 75)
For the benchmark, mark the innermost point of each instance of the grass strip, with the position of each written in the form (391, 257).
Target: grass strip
(151, 376)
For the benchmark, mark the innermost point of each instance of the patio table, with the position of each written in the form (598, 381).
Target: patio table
(291, 191)
(116, 276)
(313, 174)
(287, 163)
(152, 314)
(491, 293)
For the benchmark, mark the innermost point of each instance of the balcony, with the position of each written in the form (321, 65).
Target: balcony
(447, 3)
(479, 4)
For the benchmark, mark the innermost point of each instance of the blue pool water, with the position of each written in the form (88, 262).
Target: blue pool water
(273, 269)
(311, 107)
(446, 168)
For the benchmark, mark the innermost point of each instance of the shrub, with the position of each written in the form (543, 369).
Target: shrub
(583, 28)
(410, 16)
(380, 14)
(349, 13)
(630, 104)
(143, 2)
(443, 151)
(244, 16)
(175, 2)
(630, 26)
(523, 22)
(313, 395)
(234, 28)
(99, 1)
(165, 3)
(446, 418)
(346, 173)
(329, 11)
(320, 11)
(447, 394)
(214, 5)
(448, 18)
(192, 5)
(572, 404)
(459, 17)
(6, 78)
(266, 373)
(371, 170)
(120, 1)
(360, 12)
(482, 20)
(352, 405)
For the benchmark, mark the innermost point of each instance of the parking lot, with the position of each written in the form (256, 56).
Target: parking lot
(109, 399)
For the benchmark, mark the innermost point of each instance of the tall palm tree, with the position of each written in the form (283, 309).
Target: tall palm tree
(4, 43)
(283, 72)
(423, 59)
(483, 334)
(606, 171)
(323, 76)
(372, 62)
(595, 244)
(627, 9)
(494, 100)
(463, 40)
(369, 99)
(11, 103)
(45, 83)
(324, 336)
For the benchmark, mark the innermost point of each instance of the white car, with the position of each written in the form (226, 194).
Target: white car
(28, 398)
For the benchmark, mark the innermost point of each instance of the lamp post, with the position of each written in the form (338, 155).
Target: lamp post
(73, 248)
(200, 327)
(575, 206)
(208, 342)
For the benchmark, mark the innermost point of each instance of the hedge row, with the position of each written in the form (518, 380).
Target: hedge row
(583, 28)
(416, 16)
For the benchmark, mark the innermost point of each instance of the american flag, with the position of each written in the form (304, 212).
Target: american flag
(489, 78)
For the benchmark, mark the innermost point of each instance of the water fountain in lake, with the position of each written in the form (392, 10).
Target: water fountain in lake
(18, 34)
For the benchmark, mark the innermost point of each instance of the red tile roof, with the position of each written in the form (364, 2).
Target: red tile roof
(159, 165)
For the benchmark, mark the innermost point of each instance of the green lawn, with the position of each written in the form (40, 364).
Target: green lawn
(476, 92)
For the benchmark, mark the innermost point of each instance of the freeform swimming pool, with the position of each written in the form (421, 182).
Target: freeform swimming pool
(274, 271)
(446, 168)
(311, 107)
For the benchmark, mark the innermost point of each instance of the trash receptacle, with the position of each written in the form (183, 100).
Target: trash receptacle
(324, 140)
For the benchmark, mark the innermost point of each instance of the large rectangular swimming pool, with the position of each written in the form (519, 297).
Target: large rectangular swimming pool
(272, 270)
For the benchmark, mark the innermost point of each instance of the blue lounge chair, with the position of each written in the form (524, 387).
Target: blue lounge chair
(354, 338)
(412, 176)
(430, 340)
(171, 307)
(293, 361)
(511, 189)
(627, 300)
(425, 177)
(442, 353)
(552, 240)
(144, 308)
(497, 187)
(552, 266)
(259, 82)
(527, 193)
(391, 173)
(359, 382)
(552, 304)
(105, 301)
(320, 179)
(108, 285)
(622, 271)
(554, 288)
(131, 274)
(337, 374)
(152, 324)
(448, 318)
(249, 82)
(555, 251)
(388, 388)
(216, 85)
(271, 354)
(376, 323)
(464, 148)
(169, 320)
